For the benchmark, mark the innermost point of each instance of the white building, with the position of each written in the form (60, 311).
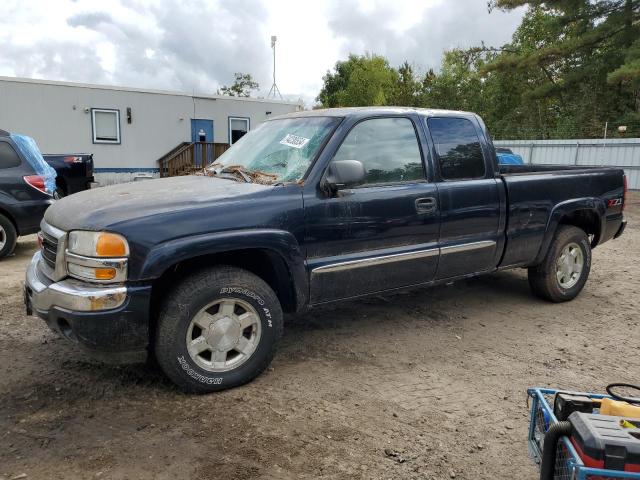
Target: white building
(126, 129)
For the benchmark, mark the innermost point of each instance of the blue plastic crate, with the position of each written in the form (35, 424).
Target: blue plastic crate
(568, 463)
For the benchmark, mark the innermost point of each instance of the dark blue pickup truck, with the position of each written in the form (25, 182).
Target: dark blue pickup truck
(308, 208)
(74, 172)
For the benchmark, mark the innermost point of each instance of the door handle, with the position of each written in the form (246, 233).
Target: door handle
(426, 205)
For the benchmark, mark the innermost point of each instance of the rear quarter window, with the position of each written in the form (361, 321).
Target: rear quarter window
(458, 148)
(8, 156)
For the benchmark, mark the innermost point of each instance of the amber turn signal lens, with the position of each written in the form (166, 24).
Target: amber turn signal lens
(105, 273)
(110, 245)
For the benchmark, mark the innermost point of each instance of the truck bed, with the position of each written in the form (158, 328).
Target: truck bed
(537, 196)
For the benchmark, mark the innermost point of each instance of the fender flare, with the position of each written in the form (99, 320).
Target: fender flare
(593, 204)
(161, 257)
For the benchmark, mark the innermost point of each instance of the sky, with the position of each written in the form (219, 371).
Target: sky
(197, 45)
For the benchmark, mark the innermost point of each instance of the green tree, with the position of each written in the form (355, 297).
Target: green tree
(583, 59)
(242, 86)
(359, 81)
(406, 91)
(570, 67)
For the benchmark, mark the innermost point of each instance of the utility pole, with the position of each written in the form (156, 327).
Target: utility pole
(274, 88)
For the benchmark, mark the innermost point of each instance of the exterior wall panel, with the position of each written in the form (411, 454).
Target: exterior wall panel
(58, 116)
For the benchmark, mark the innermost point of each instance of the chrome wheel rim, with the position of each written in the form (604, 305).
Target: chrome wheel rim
(3, 237)
(223, 335)
(569, 265)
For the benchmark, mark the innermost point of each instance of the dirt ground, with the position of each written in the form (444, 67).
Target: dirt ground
(422, 384)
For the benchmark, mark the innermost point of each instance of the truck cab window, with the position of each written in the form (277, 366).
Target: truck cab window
(8, 156)
(457, 147)
(388, 149)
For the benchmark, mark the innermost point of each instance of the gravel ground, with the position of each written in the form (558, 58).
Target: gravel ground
(422, 384)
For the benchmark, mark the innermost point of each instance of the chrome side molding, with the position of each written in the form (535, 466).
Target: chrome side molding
(399, 257)
(381, 260)
(465, 247)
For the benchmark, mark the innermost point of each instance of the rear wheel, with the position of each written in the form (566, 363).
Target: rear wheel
(218, 329)
(563, 273)
(8, 237)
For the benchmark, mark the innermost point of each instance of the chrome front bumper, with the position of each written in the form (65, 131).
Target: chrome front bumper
(43, 294)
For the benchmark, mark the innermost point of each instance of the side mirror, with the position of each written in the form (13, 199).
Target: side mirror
(345, 174)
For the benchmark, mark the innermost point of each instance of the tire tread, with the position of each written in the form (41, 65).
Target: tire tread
(12, 236)
(542, 279)
(173, 305)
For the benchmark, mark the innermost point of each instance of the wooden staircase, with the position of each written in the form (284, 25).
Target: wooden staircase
(189, 157)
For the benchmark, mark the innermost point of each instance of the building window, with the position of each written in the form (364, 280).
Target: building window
(106, 125)
(238, 127)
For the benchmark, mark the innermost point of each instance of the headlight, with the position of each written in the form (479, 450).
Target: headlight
(98, 244)
(97, 256)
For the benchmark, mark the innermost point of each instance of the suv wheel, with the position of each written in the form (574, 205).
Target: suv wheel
(8, 237)
(564, 271)
(218, 329)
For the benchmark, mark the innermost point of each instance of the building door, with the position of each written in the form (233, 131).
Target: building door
(201, 132)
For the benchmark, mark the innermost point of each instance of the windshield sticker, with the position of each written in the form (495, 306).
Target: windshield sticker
(291, 140)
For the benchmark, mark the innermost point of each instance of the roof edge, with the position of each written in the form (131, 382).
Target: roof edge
(94, 86)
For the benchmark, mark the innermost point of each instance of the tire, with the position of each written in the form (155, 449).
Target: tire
(556, 278)
(8, 237)
(208, 309)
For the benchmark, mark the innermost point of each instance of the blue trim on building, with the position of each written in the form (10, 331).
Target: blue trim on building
(126, 170)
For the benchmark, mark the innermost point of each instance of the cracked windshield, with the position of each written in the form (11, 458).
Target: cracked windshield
(276, 151)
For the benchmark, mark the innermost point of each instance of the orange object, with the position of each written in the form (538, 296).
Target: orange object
(111, 245)
(105, 273)
(619, 409)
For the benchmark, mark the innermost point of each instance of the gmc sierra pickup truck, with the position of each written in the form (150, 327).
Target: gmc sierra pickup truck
(307, 208)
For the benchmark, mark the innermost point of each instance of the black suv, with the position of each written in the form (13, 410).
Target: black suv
(23, 195)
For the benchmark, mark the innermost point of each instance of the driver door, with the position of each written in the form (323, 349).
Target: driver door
(382, 234)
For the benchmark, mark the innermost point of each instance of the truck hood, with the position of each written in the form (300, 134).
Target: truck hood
(107, 206)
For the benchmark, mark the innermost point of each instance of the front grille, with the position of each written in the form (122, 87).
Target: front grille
(49, 249)
(52, 241)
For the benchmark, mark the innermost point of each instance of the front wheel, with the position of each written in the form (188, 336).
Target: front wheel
(564, 271)
(218, 329)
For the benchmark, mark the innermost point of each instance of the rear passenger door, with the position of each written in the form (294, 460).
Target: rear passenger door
(469, 197)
